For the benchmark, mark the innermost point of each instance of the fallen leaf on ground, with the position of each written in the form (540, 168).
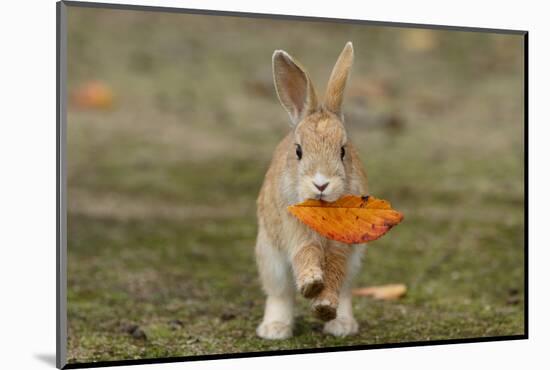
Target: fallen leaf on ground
(385, 292)
(93, 95)
(351, 219)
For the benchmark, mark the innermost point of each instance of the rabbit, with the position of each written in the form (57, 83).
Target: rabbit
(316, 160)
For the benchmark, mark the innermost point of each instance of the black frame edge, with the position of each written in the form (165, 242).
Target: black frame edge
(526, 181)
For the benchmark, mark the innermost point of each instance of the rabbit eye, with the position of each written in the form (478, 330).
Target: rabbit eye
(342, 153)
(298, 151)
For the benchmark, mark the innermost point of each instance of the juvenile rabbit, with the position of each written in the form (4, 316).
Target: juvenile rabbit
(316, 160)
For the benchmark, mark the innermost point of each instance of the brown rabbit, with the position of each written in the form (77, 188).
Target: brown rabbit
(316, 160)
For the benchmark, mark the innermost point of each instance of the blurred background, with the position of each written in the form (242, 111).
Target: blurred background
(171, 125)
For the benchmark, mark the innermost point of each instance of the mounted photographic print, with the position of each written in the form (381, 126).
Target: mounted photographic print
(235, 185)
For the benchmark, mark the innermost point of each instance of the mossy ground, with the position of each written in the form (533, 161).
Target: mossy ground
(161, 206)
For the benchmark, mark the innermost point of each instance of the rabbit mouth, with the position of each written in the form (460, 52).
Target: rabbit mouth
(327, 197)
(327, 189)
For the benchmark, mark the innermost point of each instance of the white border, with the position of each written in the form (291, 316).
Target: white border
(28, 181)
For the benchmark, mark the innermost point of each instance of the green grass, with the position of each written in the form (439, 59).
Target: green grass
(162, 189)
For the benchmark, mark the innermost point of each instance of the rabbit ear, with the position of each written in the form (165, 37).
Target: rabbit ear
(337, 81)
(293, 86)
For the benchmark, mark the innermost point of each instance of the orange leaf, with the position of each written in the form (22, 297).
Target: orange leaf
(350, 219)
(93, 95)
(385, 292)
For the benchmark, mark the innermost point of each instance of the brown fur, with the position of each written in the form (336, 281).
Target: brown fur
(320, 267)
(308, 264)
(336, 258)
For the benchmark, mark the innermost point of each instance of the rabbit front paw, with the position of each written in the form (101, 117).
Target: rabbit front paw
(325, 309)
(310, 283)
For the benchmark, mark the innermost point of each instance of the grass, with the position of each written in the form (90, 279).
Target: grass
(161, 205)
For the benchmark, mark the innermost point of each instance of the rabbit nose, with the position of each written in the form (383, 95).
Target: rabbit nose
(321, 187)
